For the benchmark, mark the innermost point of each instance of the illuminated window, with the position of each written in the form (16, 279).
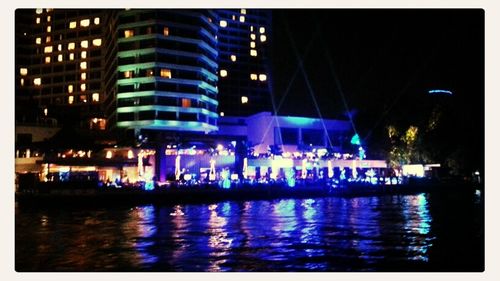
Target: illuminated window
(233, 58)
(49, 28)
(223, 73)
(233, 17)
(38, 40)
(83, 87)
(39, 11)
(244, 99)
(48, 39)
(70, 89)
(22, 81)
(242, 18)
(253, 53)
(97, 20)
(128, 74)
(37, 20)
(253, 76)
(59, 57)
(262, 29)
(83, 98)
(45, 111)
(109, 154)
(186, 103)
(47, 59)
(262, 77)
(244, 11)
(96, 42)
(71, 46)
(47, 49)
(83, 65)
(95, 97)
(72, 24)
(130, 154)
(263, 38)
(252, 44)
(59, 47)
(37, 81)
(84, 44)
(83, 54)
(71, 56)
(252, 36)
(223, 23)
(251, 28)
(166, 31)
(85, 22)
(71, 99)
(129, 33)
(166, 73)
(23, 71)
(49, 10)
(49, 18)
(222, 114)
(83, 76)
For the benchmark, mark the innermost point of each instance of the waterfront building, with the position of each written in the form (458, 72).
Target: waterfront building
(190, 89)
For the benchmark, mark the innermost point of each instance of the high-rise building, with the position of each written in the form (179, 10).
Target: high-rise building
(161, 70)
(59, 65)
(244, 61)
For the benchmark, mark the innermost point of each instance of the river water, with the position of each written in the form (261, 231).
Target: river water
(423, 232)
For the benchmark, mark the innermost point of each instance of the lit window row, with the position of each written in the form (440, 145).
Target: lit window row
(261, 77)
(83, 98)
(71, 46)
(84, 23)
(164, 72)
(60, 57)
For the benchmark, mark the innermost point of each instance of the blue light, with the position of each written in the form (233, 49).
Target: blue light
(440, 92)
(355, 140)
(149, 185)
(361, 153)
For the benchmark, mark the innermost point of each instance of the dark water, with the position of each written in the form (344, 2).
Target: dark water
(425, 232)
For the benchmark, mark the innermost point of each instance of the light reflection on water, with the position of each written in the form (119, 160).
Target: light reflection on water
(325, 234)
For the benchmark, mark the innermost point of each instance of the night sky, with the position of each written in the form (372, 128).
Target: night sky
(386, 61)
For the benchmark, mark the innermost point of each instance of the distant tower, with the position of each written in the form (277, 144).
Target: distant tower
(244, 40)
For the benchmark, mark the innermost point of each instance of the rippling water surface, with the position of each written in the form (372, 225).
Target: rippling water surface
(391, 233)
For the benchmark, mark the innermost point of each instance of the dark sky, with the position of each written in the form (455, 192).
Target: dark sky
(385, 62)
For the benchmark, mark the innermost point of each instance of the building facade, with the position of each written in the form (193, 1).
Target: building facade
(161, 70)
(59, 66)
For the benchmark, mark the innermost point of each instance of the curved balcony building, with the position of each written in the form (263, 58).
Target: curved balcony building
(163, 71)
